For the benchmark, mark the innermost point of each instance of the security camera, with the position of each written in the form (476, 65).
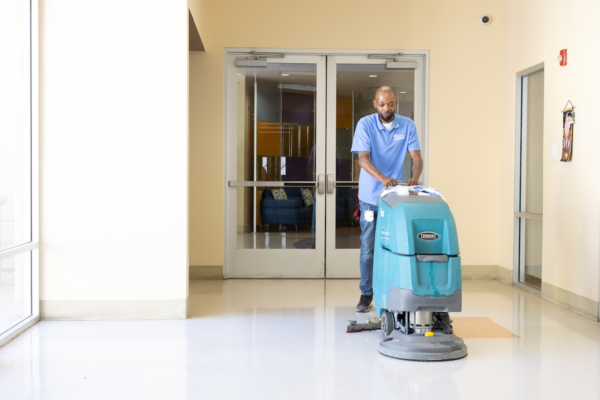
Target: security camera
(484, 19)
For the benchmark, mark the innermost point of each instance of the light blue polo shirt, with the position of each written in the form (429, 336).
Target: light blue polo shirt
(388, 151)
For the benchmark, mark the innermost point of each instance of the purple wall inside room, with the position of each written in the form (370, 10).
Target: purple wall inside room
(297, 169)
(298, 109)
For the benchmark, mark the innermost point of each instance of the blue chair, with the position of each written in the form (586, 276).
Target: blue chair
(285, 212)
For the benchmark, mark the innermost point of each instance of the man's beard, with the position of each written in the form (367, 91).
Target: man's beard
(388, 119)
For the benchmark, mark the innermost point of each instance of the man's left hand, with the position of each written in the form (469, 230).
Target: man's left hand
(412, 182)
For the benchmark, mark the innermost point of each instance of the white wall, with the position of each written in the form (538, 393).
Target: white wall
(114, 135)
(534, 32)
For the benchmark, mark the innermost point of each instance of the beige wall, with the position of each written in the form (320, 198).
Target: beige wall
(534, 31)
(113, 143)
(464, 97)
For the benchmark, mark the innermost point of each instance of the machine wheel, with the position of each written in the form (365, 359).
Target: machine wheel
(387, 324)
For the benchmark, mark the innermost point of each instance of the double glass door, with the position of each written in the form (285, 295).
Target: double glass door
(291, 178)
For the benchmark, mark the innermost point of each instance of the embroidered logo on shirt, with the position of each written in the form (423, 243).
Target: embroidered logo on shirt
(399, 137)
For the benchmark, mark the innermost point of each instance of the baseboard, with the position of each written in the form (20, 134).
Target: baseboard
(200, 272)
(494, 272)
(564, 298)
(504, 275)
(571, 301)
(470, 272)
(51, 310)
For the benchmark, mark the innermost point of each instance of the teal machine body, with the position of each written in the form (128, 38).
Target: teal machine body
(417, 278)
(416, 257)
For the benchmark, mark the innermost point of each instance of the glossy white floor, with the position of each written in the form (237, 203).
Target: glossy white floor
(275, 339)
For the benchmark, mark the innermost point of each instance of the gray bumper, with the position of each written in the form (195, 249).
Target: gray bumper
(406, 300)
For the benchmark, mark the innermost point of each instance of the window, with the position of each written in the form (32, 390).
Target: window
(18, 167)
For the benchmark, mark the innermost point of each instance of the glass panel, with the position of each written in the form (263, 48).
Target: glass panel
(347, 228)
(15, 162)
(533, 252)
(15, 290)
(535, 143)
(283, 98)
(281, 223)
(356, 87)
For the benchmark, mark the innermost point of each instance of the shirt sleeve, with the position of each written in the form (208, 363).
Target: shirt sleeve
(413, 138)
(362, 141)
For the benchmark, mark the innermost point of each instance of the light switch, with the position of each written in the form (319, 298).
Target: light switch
(553, 151)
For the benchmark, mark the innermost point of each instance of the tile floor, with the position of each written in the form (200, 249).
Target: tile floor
(285, 339)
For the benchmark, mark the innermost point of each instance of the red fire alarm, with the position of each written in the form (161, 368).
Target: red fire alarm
(562, 58)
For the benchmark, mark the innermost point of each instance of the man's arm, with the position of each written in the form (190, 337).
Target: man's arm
(366, 164)
(417, 167)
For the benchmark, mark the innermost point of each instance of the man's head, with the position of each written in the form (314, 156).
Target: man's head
(385, 103)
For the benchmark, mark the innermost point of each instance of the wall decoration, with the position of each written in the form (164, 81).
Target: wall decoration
(568, 121)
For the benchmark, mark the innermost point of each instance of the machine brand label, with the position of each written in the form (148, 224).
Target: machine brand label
(428, 236)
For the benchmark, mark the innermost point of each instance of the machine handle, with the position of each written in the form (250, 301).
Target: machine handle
(432, 257)
(330, 184)
(321, 184)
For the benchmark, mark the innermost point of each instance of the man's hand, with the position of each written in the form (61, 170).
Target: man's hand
(412, 182)
(417, 168)
(388, 182)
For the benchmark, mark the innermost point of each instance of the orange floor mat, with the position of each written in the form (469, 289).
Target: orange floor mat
(479, 328)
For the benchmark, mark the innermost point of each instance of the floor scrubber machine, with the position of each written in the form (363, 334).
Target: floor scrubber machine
(417, 278)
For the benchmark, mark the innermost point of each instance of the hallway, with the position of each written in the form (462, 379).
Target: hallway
(274, 339)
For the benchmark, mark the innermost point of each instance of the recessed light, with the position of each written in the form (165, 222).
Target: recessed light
(402, 92)
(372, 76)
(285, 74)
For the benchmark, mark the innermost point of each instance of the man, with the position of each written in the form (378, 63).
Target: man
(381, 141)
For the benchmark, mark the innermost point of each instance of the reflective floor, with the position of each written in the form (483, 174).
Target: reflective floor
(285, 339)
(8, 314)
(275, 240)
(345, 238)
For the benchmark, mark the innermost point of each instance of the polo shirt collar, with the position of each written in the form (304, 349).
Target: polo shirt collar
(395, 125)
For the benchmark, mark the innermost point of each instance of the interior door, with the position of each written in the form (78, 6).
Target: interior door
(351, 85)
(529, 202)
(275, 129)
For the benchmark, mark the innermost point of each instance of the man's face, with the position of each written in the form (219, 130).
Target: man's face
(385, 103)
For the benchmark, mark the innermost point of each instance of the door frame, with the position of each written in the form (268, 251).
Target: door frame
(229, 68)
(271, 263)
(519, 181)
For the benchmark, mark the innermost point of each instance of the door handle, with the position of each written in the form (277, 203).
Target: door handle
(330, 184)
(321, 184)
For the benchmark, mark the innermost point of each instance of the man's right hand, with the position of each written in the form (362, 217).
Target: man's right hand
(388, 182)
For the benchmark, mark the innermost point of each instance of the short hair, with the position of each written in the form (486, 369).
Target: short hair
(385, 89)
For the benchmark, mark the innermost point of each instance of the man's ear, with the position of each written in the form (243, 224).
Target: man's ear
(374, 103)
